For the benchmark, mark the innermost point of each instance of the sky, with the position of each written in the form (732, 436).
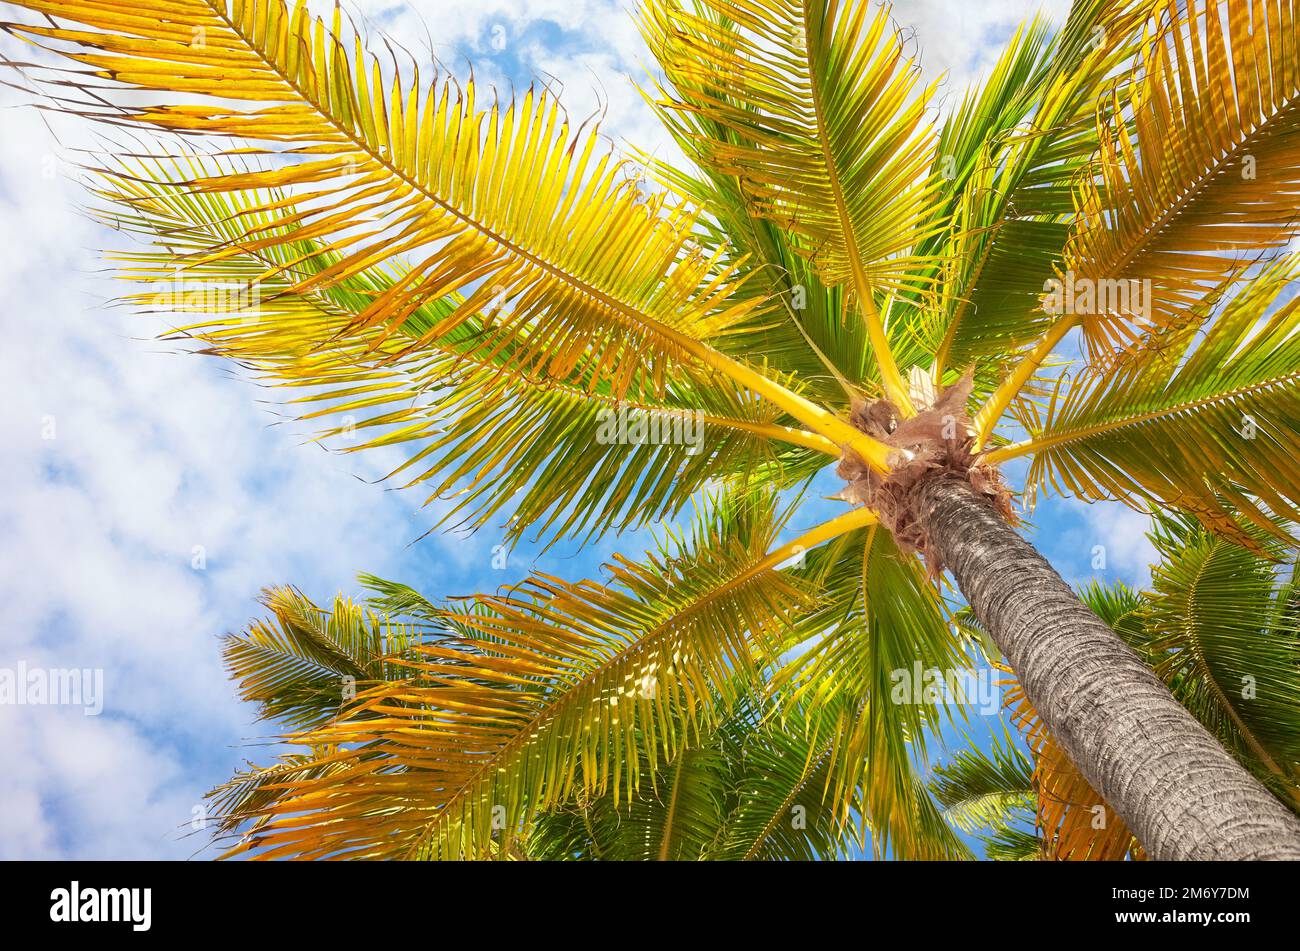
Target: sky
(146, 497)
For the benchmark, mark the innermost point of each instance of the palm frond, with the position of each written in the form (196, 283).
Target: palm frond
(878, 619)
(672, 819)
(1206, 180)
(570, 684)
(530, 220)
(804, 331)
(482, 435)
(824, 129)
(1008, 155)
(505, 203)
(752, 789)
(1215, 639)
(1203, 422)
(781, 807)
(984, 788)
(306, 664)
(1013, 844)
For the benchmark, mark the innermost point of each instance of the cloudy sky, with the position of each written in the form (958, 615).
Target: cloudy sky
(146, 497)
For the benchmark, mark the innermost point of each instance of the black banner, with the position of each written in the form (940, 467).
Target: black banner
(374, 900)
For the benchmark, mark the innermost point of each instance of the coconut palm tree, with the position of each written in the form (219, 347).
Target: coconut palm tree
(1219, 627)
(1082, 264)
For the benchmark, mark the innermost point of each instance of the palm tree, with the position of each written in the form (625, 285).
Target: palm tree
(1082, 265)
(1218, 618)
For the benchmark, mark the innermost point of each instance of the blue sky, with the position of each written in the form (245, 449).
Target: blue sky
(147, 497)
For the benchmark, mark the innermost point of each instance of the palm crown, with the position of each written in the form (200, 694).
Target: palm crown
(840, 276)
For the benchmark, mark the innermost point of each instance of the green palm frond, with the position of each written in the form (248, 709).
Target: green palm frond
(1007, 156)
(1013, 844)
(803, 332)
(398, 600)
(753, 789)
(1215, 638)
(781, 807)
(985, 788)
(1118, 604)
(824, 129)
(1204, 422)
(878, 620)
(671, 820)
(806, 330)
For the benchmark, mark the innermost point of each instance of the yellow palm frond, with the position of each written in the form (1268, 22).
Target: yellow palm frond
(1207, 178)
(506, 205)
(541, 691)
(482, 434)
(420, 170)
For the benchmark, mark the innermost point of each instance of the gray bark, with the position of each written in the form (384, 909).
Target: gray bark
(1173, 784)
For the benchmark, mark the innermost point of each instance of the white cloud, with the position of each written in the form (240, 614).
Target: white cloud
(1122, 532)
(965, 38)
(95, 788)
(148, 455)
(1106, 541)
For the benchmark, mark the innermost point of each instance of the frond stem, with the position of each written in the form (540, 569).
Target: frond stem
(997, 404)
(820, 421)
(831, 529)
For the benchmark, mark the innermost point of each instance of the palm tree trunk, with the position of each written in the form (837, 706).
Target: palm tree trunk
(1178, 790)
